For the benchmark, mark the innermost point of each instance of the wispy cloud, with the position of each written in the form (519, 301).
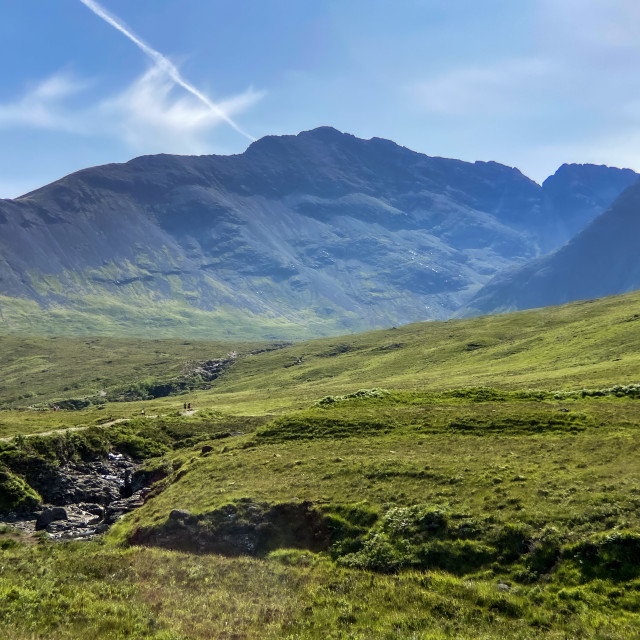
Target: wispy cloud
(43, 106)
(164, 64)
(159, 111)
(150, 115)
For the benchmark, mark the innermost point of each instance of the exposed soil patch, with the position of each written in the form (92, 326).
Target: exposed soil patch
(242, 528)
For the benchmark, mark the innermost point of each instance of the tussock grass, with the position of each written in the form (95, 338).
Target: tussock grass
(79, 591)
(472, 479)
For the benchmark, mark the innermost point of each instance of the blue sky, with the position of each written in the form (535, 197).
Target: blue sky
(529, 83)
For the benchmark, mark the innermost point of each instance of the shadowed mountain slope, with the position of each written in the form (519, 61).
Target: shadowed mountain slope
(601, 260)
(313, 234)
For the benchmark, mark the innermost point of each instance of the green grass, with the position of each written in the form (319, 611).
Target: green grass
(517, 464)
(87, 590)
(592, 344)
(135, 312)
(37, 369)
(585, 344)
(582, 344)
(471, 479)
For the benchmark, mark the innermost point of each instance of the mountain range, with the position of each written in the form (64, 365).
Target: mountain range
(600, 260)
(314, 234)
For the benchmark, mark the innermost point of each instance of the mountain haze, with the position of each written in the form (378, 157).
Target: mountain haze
(601, 260)
(315, 234)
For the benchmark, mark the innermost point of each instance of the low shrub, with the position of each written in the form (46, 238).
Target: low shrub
(362, 394)
(523, 424)
(455, 556)
(513, 540)
(303, 427)
(614, 556)
(618, 390)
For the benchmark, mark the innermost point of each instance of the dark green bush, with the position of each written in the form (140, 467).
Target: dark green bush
(513, 541)
(455, 556)
(380, 553)
(545, 551)
(522, 423)
(615, 556)
(137, 446)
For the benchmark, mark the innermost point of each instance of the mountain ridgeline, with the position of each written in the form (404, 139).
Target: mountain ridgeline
(315, 234)
(599, 261)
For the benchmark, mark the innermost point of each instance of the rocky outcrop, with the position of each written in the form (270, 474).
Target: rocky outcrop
(49, 515)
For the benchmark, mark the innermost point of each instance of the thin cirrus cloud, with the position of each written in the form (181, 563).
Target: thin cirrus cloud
(150, 115)
(158, 111)
(43, 106)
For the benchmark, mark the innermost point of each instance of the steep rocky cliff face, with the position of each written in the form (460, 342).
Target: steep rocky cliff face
(302, 235)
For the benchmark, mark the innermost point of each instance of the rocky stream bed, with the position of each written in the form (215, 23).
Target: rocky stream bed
(83, 500)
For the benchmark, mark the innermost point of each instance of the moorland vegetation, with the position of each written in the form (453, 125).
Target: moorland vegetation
(463, 479)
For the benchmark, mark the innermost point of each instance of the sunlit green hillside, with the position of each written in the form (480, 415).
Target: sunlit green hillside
(591, 343)
(465, 479)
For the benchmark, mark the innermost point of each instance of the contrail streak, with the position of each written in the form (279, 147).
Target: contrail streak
(164, 63)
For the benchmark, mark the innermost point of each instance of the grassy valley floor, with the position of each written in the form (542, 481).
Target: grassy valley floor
(469, 479)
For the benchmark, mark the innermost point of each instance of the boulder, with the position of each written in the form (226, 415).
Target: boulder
(50, 515)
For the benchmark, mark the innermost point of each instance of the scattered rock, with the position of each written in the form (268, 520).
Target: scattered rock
(94, 509)
(119, 508)
(84, 499)
(50, 515)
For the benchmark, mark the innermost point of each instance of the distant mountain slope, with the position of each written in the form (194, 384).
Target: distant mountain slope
(601, 260)
(575, 194)
(313, 234)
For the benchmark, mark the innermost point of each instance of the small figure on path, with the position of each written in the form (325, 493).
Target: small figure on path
(189, 406)
(185, 406)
